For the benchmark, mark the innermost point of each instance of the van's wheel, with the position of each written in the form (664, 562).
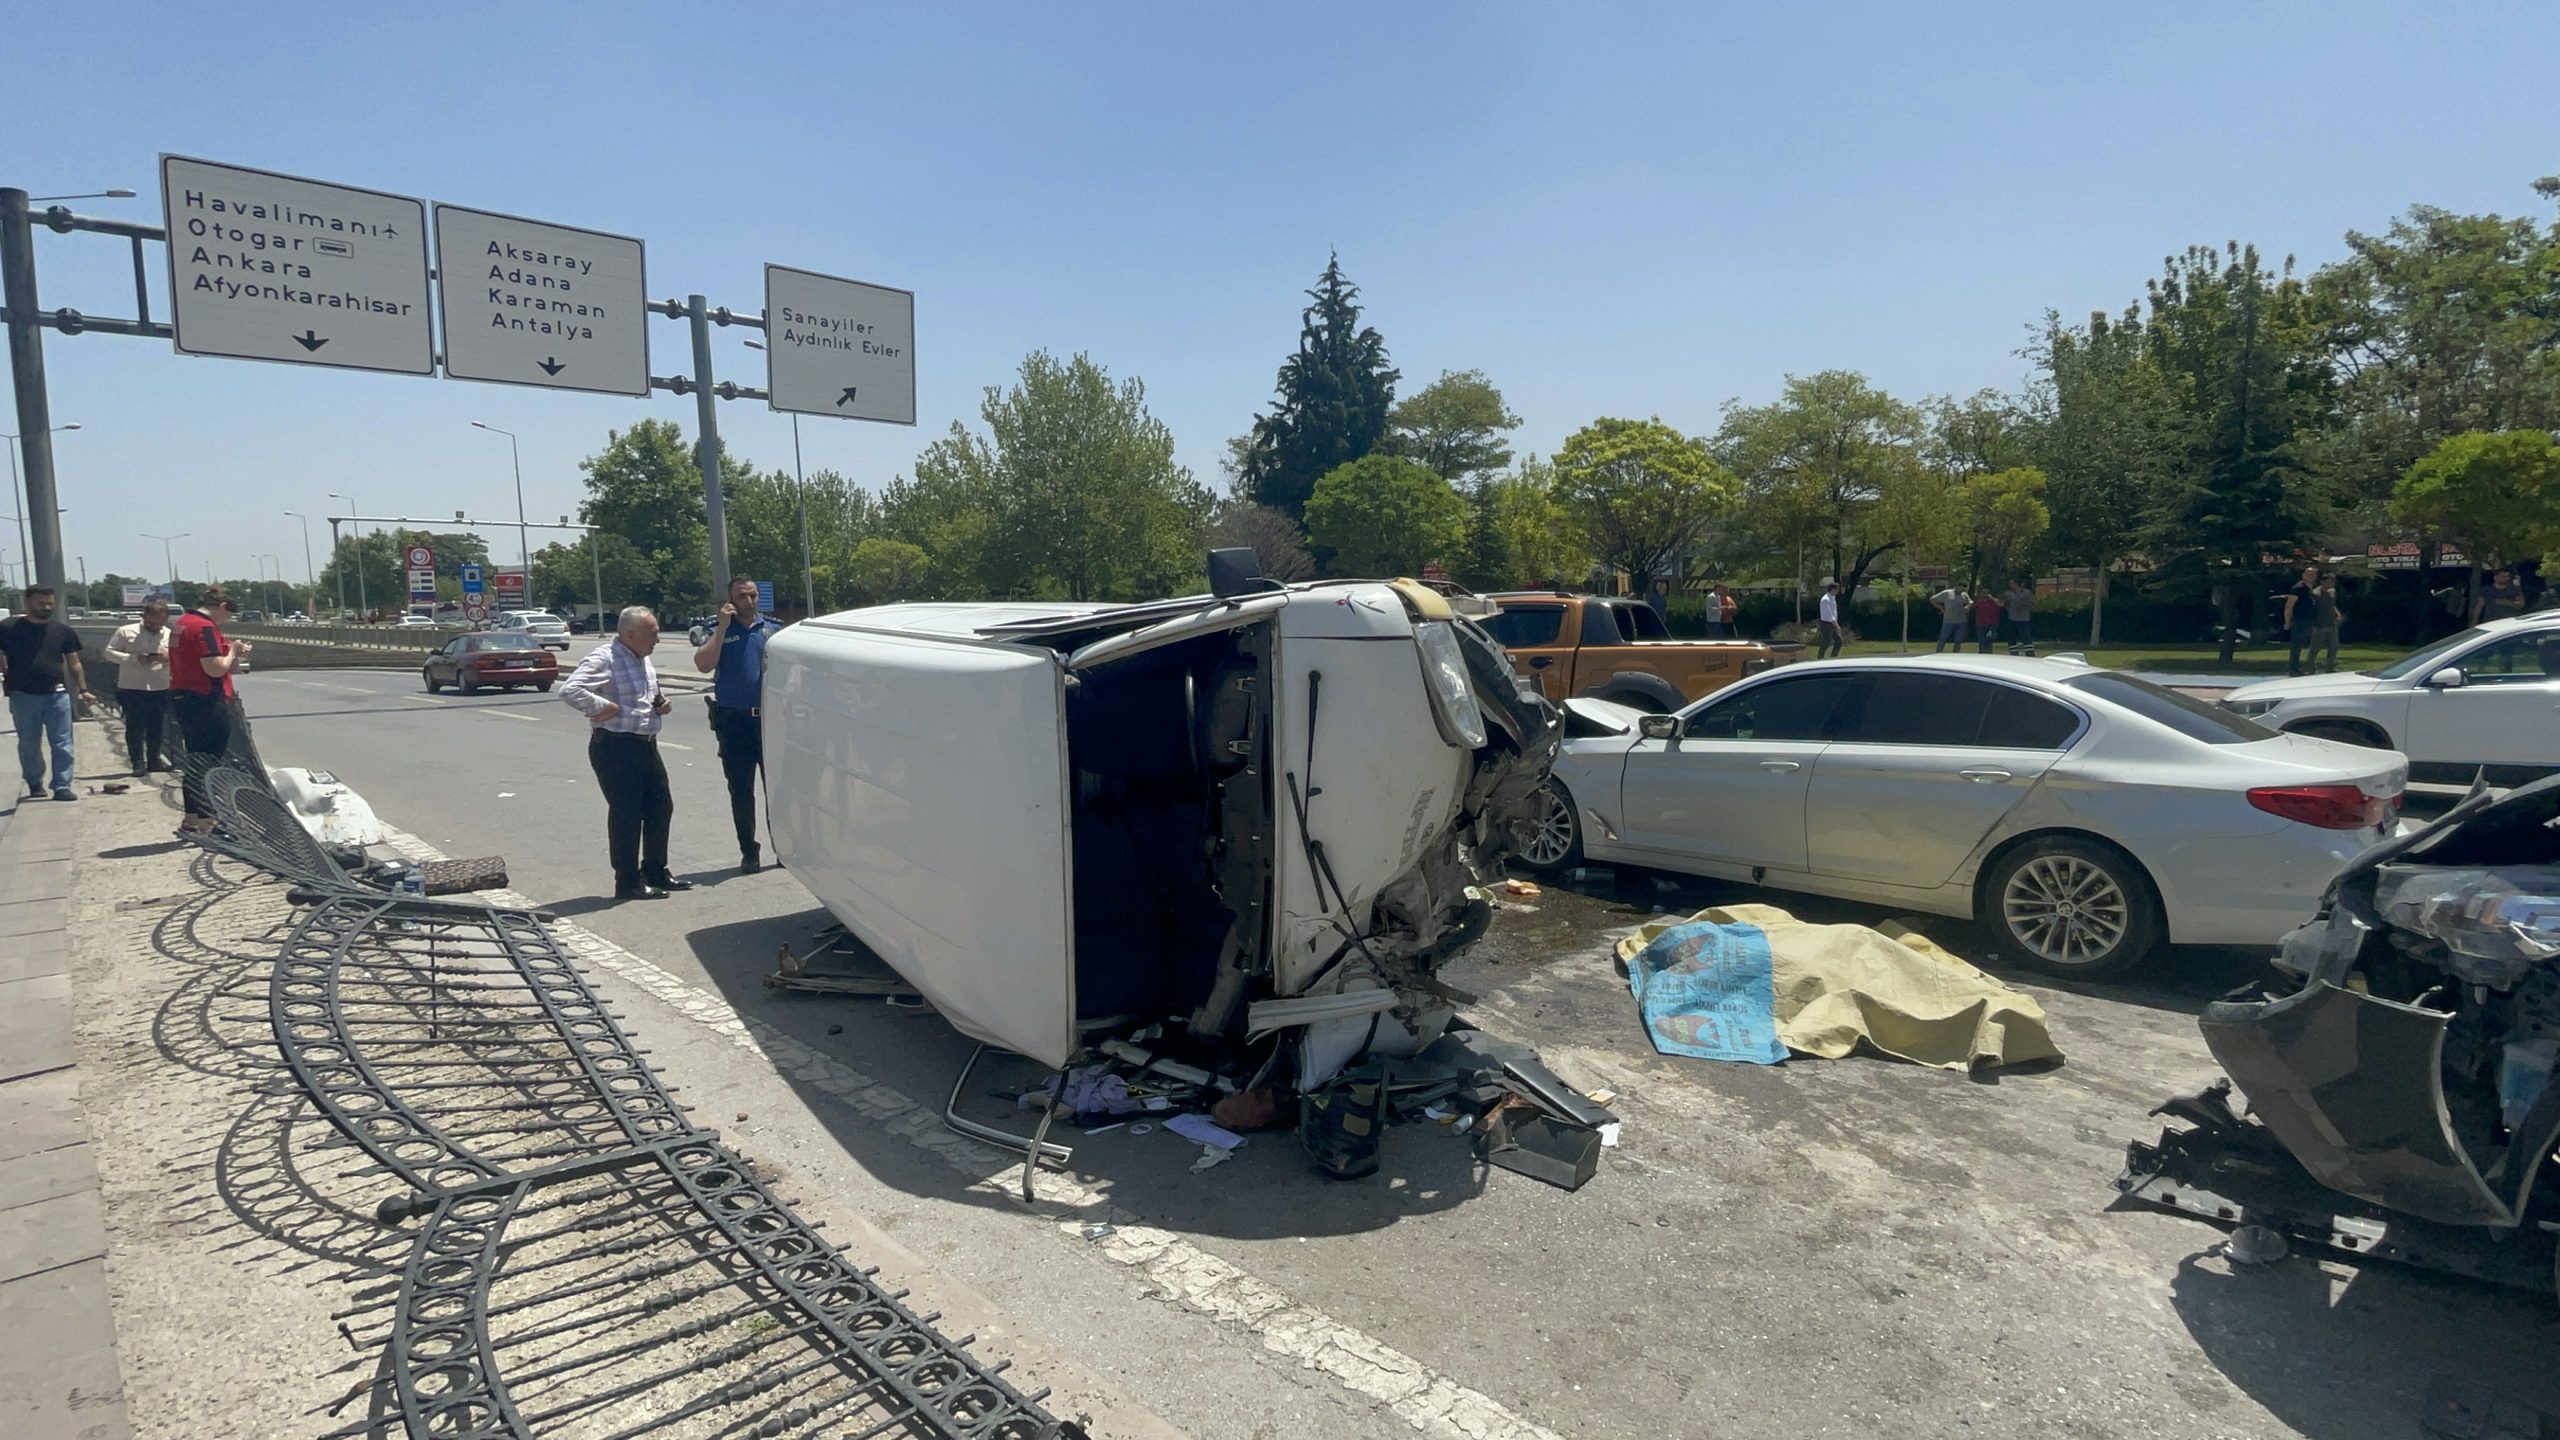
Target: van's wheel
(2072, 908)
(1555, 833)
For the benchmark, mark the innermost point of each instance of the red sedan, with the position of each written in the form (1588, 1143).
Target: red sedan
(492, 660)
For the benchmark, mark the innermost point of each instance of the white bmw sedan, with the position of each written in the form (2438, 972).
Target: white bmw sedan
(2084, 816)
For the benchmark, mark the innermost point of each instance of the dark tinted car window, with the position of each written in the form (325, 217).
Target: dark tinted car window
(2190, 717)
(1638, 622)
(1799, 707)
(2021, 720)
(1904, 708)
(1526, 625)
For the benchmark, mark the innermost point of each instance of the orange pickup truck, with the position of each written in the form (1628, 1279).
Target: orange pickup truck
(1615, 648)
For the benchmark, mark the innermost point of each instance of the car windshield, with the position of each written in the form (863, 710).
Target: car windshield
(500, 642)
(2193, 718)
(2426, 657)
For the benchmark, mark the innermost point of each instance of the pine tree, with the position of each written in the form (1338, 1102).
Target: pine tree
(1334, 395)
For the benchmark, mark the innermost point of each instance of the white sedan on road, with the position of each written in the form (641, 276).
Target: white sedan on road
(2488, 697)
(2083, 815)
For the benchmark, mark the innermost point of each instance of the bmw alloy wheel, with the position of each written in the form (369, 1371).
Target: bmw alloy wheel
(2066, 910)
(1551, 841)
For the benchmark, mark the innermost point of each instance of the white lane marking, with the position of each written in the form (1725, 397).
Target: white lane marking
(1173, 1269)
(673, 745)
(511, 715)
(430, 699)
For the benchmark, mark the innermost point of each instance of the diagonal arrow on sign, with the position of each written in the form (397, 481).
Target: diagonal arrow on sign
(310, 339)
(847, 397)
(551, 365)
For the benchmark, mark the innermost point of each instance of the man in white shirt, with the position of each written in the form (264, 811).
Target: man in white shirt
(141, 655)
(616, 688)
(1830, 642)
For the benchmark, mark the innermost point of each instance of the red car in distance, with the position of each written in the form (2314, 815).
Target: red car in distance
(490, 660)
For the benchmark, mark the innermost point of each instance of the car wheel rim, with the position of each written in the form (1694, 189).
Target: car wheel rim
(2066, 910)
(1551, 839)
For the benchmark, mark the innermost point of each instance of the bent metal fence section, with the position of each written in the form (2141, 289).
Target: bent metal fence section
(587, 1261)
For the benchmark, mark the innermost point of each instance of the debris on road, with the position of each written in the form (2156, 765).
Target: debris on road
(2255, 1245)
(1752, 983)
(2400, 1095)
(1521, 889)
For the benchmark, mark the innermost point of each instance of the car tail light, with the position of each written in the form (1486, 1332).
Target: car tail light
(2331, 807)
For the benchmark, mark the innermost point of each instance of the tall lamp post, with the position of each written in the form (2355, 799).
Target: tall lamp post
(808, 567)
(263, 561)
(312, 575)
(17, 505)
(168, 559)
(364, 606)
(524, 547)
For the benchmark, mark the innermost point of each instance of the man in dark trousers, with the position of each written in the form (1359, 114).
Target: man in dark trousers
(202, 661)
(141, 653)
(616, 688)
(733, 655)
(40, 671)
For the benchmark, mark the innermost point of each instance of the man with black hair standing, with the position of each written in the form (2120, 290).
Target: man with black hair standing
(733, 655)
(40, 671)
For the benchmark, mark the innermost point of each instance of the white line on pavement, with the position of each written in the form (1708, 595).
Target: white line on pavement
(511, 715)
(673, 745)
(1172, 1268)
(429, 699)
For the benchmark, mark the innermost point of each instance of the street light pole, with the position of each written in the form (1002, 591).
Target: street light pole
(363, 605)
(311, 574)
(168, 558)
(17, 504)
(524, 547)
(808, 568)
(278, 563)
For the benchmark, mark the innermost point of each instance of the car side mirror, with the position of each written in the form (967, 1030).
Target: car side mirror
(1659, 727)
(2448, 678)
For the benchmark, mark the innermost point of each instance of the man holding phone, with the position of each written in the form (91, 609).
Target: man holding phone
(616, 688)
(733, 656)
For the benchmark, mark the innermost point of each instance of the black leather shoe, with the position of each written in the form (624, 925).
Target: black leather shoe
(641, 891)
(669, 883)
(750, 862)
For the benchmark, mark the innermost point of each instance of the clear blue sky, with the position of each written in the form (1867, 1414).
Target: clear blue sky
(1637, 209)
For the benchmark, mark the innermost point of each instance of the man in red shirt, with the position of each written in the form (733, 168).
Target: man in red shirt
(201, 662)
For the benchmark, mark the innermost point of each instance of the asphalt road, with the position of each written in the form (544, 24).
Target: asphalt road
(1851, 1247)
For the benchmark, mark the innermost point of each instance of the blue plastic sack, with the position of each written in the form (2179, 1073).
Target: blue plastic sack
(1709, 990)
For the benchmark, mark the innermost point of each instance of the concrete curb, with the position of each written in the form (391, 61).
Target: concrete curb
(59, 1377)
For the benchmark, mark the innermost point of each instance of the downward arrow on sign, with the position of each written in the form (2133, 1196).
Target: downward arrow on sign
(551, 366)
(310, 340)
(847, 397)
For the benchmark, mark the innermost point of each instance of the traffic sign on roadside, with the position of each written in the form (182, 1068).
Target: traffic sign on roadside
(471, 582)
(274, 267)
(526, 302)
(839, 347)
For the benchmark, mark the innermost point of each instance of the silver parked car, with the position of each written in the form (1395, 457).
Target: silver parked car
(2083, 815)
(2484, 698)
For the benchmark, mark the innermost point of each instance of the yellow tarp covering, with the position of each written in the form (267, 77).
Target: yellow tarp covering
(1893, 988)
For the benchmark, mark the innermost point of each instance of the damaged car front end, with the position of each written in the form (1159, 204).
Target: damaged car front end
(1247, 830)
(2409, 1064)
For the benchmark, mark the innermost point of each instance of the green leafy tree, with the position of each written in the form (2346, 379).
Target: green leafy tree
(1454, 426)
(881, 571)
(645, 487)
(1519, 533)
(1383, 515)
(1082, 496)
(2235, 344)
(2003, 515)
(1639, 493)
(2497, 493)
(1834, 467)
(1334, 397)
(947, 509)
(2108, 433)
(2442, 324)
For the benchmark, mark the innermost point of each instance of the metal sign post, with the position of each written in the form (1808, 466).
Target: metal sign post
(26, 369)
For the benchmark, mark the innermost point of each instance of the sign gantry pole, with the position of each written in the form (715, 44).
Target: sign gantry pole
(26, 369)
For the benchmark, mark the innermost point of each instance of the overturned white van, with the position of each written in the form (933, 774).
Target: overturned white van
(1264, 816)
